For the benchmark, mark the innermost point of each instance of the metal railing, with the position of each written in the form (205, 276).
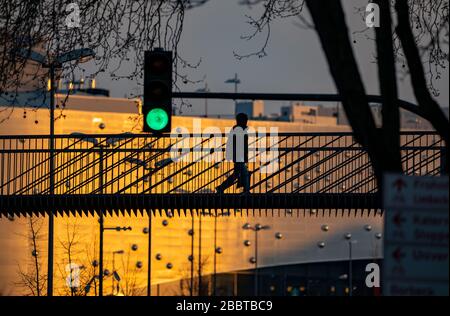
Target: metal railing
(137, 164)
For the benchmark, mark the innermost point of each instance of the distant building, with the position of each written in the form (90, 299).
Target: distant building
(299, 112)
(308, 114)
(253, 109)
(408, 120)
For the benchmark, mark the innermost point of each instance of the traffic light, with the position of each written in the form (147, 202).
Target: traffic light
(157, 106)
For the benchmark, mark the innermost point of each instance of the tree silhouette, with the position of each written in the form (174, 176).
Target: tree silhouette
(32, 280)
(420, 38)
(119, 31)
(188, 285)
(76, 262)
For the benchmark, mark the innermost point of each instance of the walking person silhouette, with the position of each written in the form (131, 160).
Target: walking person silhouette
(237, 152)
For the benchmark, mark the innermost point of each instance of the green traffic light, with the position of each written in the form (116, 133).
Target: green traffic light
(157, 119)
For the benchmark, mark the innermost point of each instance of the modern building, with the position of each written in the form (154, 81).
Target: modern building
(253, 109)
(308, 114)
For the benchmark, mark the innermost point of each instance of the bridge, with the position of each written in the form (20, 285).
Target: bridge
(132, 173)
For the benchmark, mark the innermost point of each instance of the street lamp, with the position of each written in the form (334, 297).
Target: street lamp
(115, 274)
(205, 89)
(191, 257)
(348, 236)
(256, 229)
(102, 229)
(96, 144)
(200, 285)
(375, 246)
(217, 250)
(235, 81)
(81, 55)
(146, 230)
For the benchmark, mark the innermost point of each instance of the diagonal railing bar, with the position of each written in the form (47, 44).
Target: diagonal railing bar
(305, 171)
(279, 158)
(408, 171)
(107, 154)
(338, 167)
(433, 172)
(328, 173)
(120, 162)
(41, 163)
(124, 160)
(366, 166)
(410, 155)
(282, 155)
(354, 172)
(308, 154)
(153, 172)
(156, 169)
(190, 166)
(209, 168)
(255, 156)
(61, 167)
(85, 154)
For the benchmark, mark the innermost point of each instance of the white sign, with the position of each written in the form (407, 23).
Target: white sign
(416, 259)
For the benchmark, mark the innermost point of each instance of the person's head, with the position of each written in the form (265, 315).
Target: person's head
(241, 120)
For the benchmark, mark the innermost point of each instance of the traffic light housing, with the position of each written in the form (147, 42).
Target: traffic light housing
(157, 106)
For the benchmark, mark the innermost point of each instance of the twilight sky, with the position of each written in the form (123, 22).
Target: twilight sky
(295, 61)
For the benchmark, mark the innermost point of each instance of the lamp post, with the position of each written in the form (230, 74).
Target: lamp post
(81, 55)
(114, 253)
(142, 163)
(96, 144)
(348, 237)
(378, 236)
(256, 229)
(191, 289)
(200, 285)
(205, 89)
(149, 261)
(235, 81)
(216, 249)
(102, 229)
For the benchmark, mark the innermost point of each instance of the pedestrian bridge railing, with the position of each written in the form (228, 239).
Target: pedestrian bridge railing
(95, 171)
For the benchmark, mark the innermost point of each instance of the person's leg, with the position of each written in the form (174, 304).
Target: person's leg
(228, 181)
(245, 178)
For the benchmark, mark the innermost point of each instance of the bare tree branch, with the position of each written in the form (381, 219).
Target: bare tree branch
(431, 109)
